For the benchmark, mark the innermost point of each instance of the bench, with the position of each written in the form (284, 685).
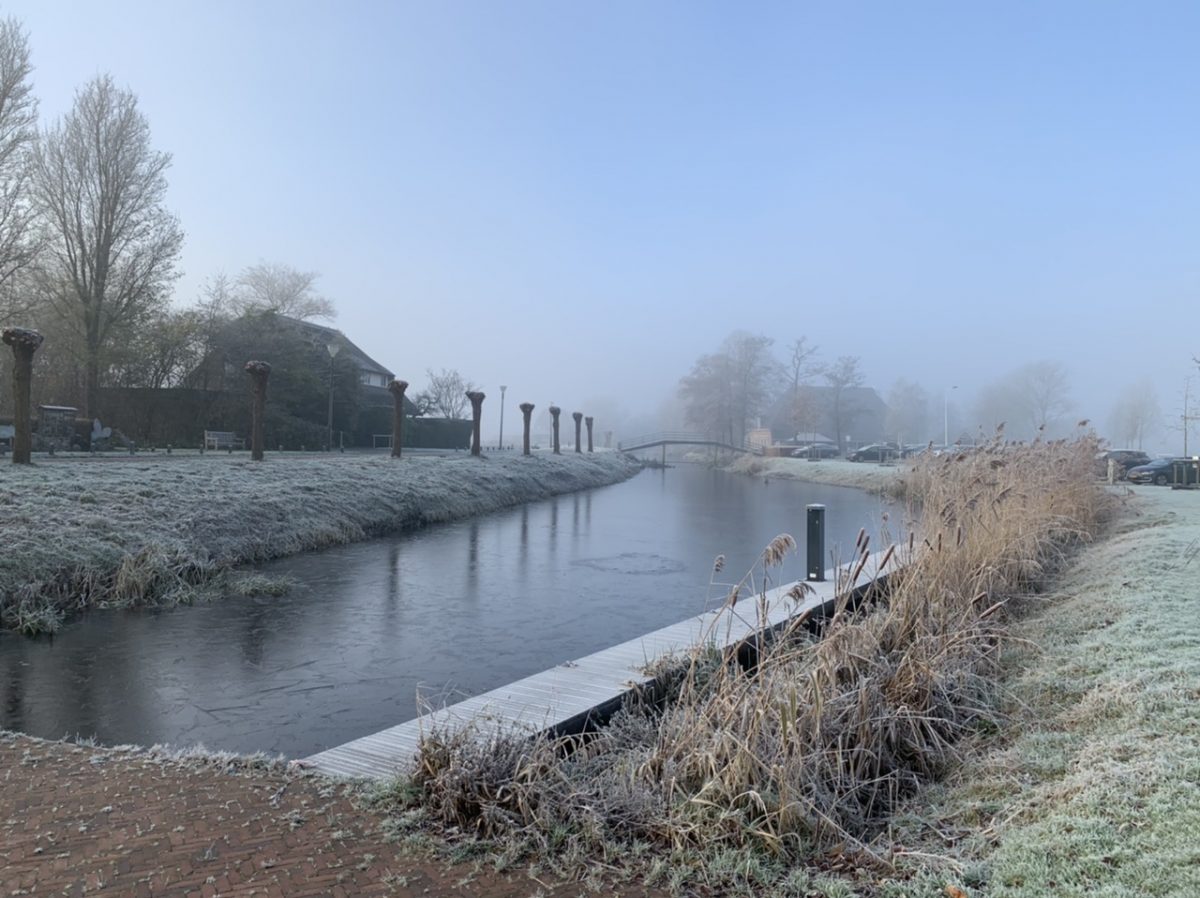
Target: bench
(222, 439)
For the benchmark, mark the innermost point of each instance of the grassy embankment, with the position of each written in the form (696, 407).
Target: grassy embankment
(118, 533)
(766, 780)
(1093, 787)
(834, 472)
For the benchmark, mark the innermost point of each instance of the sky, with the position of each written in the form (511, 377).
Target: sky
(578, 199)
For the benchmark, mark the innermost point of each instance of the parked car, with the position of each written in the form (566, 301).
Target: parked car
(816, 450)
(876, 452)
(1162, 471)
(1124, 459)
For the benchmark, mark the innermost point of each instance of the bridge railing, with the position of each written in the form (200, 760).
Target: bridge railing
(683, 436)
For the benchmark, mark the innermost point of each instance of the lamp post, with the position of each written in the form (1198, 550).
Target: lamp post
(946, 417)
(502, 389)
(332, 349)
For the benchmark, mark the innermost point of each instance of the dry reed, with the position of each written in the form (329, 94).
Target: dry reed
(814, 745)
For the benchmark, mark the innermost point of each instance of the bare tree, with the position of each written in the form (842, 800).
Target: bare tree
(272, 287)
(908, 411)
(1135, 413)
(706, 393)
(842, 375)
(18, 134)
(1042, 393)
(800, 367)
(162, 352)
(111, 244)
(446, 394)
(726, 389)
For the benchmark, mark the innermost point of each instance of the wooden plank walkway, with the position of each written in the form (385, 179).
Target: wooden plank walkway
(564, 698)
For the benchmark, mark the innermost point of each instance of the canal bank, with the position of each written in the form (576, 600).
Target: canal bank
(125, 532)
(884, 479)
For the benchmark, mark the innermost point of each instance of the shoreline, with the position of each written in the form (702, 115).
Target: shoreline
(94, 535)
(875, 478)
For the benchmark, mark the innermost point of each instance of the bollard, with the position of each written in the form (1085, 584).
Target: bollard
(578, 416)
(815, 550)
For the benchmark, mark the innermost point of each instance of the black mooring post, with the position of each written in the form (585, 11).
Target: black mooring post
(816, 543)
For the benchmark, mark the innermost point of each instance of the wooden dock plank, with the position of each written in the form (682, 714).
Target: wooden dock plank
(543, 701)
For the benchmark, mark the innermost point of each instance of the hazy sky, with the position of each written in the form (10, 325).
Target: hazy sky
(576, 199)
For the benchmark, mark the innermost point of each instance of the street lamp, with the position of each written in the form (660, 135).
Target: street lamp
(946, 416)
(332, 349)
(502, 389)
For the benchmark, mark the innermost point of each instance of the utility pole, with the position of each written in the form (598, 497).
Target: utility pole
(1187, 417)
(332, 349)
(946, 416)
(502, 389)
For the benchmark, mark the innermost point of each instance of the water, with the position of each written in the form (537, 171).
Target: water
(454, 610)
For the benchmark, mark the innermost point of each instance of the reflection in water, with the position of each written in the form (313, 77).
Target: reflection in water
(451, 608)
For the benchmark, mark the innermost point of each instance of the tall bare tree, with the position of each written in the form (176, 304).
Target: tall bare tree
(801, 367)
(1042, 390)
(843, 375)
(1135, 414)
(111, 245)
(18, 134)
(726, 389)
(908, 412)
(272, 287)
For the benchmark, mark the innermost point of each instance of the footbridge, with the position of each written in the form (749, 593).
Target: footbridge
(683, 438)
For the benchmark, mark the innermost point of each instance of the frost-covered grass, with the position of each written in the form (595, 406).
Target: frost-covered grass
(1093, 786)
(123, 532)
(834, 472)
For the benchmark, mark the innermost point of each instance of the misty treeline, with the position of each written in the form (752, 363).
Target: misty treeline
(748, 383)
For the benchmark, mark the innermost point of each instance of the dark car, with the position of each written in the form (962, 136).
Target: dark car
(1162, 471)
(1123, 458)
(876, 452)
(816, 450)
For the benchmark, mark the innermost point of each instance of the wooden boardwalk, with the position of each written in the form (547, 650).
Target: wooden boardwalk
(565, 698)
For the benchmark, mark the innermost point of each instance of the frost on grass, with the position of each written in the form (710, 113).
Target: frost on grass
(1093, 785)
(833, 472)
(119, 533)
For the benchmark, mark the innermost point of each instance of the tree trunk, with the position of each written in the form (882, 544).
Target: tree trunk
(24, 344)
(578, 416)
(527, 411)
(91, 385)
(477, 416)
(397, 388)
(588, 421)
(555, 411)
(259, 373)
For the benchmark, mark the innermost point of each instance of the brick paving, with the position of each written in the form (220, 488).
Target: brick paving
(76, 821)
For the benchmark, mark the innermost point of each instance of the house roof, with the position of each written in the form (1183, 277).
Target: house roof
(319, 333)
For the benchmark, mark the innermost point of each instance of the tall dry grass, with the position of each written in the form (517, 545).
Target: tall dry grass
(815, 744)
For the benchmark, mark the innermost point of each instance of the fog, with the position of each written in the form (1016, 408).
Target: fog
(577, 201)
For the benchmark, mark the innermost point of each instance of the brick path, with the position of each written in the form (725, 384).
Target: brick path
(83, 821)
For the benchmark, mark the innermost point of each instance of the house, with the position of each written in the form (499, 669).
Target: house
(270, 332)
(309, 362)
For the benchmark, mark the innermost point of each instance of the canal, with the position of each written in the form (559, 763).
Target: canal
(442, 613)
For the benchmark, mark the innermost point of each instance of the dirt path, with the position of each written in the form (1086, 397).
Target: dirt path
(79, 821)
